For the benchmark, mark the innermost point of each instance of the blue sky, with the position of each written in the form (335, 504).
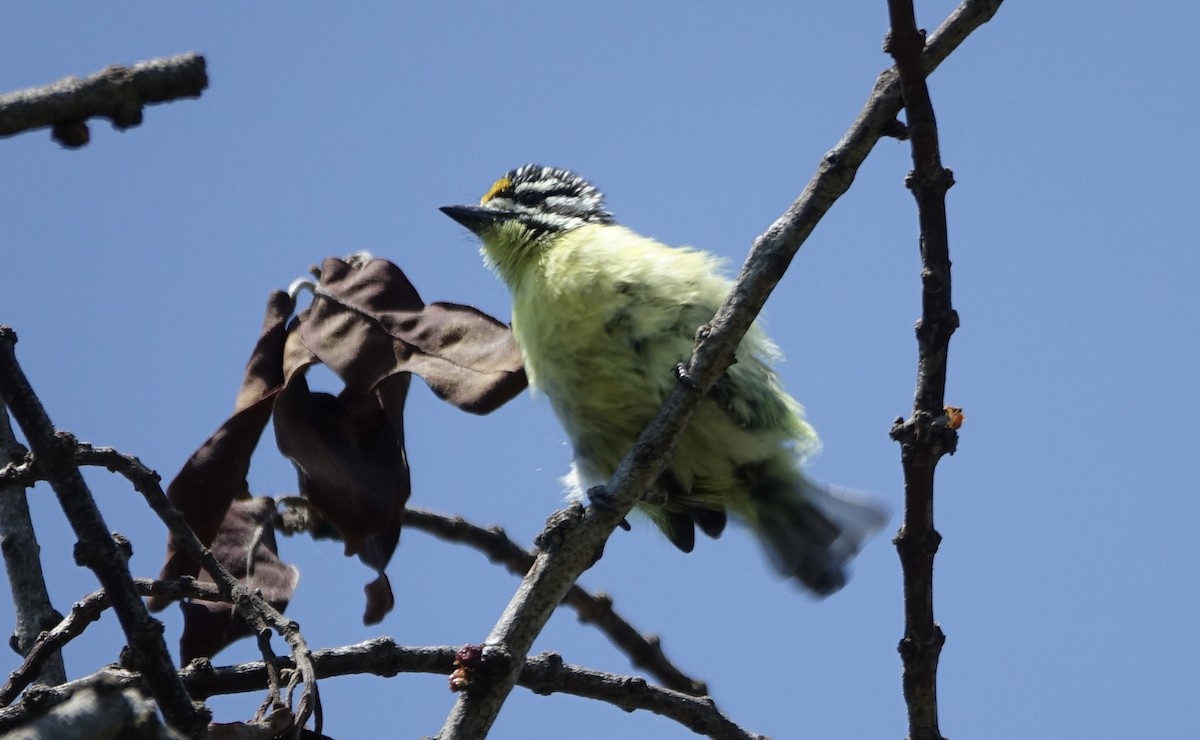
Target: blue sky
(135, 272)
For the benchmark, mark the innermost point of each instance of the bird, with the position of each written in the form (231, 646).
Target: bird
(603, 317)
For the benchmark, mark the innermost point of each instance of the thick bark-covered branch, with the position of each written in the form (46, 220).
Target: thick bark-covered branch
(108, 704)
(574, 537)
(116, 93)
(32, 609)
(97, 549)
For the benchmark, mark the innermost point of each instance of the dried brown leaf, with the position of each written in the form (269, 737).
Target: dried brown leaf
(348, 451)
(245, 544)
(369, 324)
(215, 474)
(380, 600)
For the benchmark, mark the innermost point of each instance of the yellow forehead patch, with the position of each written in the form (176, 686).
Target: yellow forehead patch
(497, 186)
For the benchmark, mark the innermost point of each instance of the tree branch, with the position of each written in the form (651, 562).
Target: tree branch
(258, 613)
(108, 704)
(644, 651)
(116, 93)
(84, 612)
(543, 674)
(96, 549)
(547, 674)
(574, 537)
(31, 601)
(926, 435)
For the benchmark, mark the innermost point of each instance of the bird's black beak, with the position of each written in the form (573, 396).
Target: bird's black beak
(475, 218)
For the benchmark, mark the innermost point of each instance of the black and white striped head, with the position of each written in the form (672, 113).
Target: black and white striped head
(546, 200)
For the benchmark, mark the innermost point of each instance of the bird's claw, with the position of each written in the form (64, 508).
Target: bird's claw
(685, 378)
(599, 497)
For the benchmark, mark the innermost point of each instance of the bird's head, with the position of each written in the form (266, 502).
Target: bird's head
(531, 202)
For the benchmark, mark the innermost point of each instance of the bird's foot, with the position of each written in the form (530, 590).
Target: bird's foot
(685, 378)
(599, 497)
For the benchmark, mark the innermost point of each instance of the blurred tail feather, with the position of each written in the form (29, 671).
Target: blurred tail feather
(812, 534)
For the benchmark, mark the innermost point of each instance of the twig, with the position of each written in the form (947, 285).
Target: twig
(258, 613)
(96, 549)
(84, 612)
(117, 93)
(923, 439)
(574, 538)
(644, 651)
(31, 601)
(380, 657)
(547, 674)
(147, 482)
(542, 674)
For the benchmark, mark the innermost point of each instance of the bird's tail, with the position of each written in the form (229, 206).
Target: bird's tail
(811, 531)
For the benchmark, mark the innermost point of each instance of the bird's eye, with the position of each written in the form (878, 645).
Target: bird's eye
(528, 198)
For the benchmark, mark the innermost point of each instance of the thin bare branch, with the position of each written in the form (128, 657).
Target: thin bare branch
(644, 651)
(258, 613)
(547, 674)
(116, 93)
(926, 436)
(262, 617)
(542, 674)
(97, 549)
(31, 601)
(84, 612)
(574, 537)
